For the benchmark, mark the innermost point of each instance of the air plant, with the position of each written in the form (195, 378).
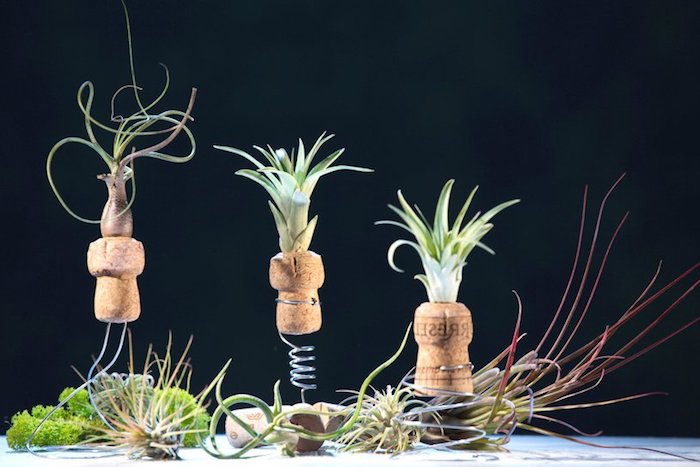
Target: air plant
(150, 414)
(443, 248)
(281, 429)
(443, 327)
(116, 217)
(296, 272)
(290, 181)
(382, 425)
(514, 391)
(117, 259)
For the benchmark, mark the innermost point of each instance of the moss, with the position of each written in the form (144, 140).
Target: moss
(68, 425)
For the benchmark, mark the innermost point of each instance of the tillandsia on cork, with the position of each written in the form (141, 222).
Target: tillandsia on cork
(116, 259)
(296, 272)
(522, 389)
(443, 326)
(299, 428)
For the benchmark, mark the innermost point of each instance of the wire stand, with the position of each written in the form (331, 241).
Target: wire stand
(88, 451)
(301, 371)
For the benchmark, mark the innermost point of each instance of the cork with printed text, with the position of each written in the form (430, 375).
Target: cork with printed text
(443, 332)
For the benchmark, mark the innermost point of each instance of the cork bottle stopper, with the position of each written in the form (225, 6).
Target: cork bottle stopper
(115, 262)
(443, 332)
(297, 276)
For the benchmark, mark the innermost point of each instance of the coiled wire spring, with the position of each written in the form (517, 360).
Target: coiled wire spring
(301, 371)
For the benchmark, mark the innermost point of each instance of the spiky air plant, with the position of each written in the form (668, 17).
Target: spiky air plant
(281, 427)
(443, 327)
(290, 180)
(151, 413)
(382, 425)
(443, 248)
(296, 272)
(522, 390)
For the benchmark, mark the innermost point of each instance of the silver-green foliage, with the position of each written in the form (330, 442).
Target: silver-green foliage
(290, 180)
(443, 249)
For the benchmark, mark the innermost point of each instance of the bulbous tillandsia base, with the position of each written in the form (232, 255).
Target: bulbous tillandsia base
(443, 331)
(115, 262)
(297, 276)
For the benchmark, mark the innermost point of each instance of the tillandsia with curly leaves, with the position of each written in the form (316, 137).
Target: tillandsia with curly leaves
(296, 273)
(382, 425)
(149, 414)
(443, 327)
(116, 259)
(285, 427)
(526, 389)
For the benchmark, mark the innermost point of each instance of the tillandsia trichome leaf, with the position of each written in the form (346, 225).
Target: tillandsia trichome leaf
(443, 248)
(290, 180)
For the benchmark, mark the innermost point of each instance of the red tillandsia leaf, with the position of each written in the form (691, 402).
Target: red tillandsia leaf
(605, 446)
(573, 272)
(511, 358)
(586, 270)
(567, 425)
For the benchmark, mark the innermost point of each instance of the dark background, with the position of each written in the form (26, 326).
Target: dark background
(527, 99)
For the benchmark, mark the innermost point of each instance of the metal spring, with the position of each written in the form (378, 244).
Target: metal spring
(301, 371)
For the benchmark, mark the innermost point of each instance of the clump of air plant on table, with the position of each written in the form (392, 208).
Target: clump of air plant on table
(387, 422)
(443, 327)
(151, 413)
(519, 391)
(297, 273)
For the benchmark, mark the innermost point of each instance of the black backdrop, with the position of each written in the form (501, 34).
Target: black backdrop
(528, 100)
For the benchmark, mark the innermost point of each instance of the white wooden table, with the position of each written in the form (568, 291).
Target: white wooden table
(525, 450)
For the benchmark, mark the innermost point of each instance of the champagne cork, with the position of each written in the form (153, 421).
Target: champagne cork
(333, 415)
(443, 332)
(297, 276)
(309, 422)
(254, 417)
(115, 262)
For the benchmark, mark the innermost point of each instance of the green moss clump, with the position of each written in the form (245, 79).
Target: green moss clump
(67, 426)
(183, 406)
(79, 404)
